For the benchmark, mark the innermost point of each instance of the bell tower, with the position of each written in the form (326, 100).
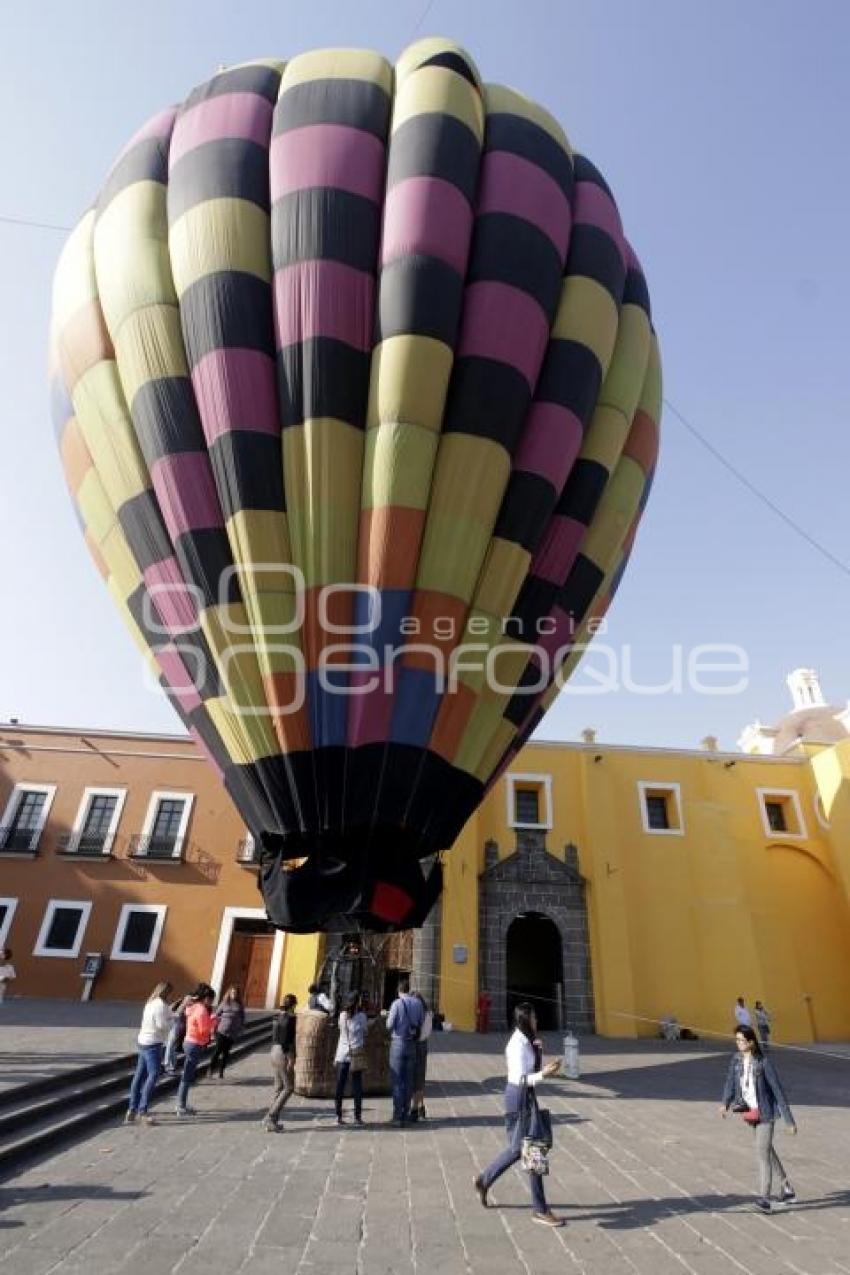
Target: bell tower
(804, 685)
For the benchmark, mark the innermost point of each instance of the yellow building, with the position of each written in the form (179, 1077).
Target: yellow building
(615, 885)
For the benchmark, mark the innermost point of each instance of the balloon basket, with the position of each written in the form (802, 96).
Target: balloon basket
(315, 1044)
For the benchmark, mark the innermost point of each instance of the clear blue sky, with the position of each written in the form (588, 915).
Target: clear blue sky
(723, 130)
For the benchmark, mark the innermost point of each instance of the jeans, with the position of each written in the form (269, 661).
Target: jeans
(175, 1041)
(192, 1055)
(342, 1073)
(402, 1063)
(513, 1151)
(145, 1078)
(768, 1159)
(221, 1053)
(283, 1066)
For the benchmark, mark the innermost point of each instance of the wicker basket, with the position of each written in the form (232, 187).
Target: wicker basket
(316, 1041)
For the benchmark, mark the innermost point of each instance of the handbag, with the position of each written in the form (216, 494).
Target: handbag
(751, 1115)
(356, 1057)
(537, 1132)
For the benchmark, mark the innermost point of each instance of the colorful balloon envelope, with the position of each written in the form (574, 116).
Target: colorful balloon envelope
(357, 395)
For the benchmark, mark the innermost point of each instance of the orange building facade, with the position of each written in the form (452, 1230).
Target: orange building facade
(126, 846)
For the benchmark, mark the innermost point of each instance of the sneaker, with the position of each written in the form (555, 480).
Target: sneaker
(423, 1115)
(273, 1126)
(185, 1111)
(789, 1195)
(130, 1117)
(340, 1120)
(762, 1204)
(359, 1120)
(481, 1189)
(146, 1119)
(547, 1219)
(413, 1117)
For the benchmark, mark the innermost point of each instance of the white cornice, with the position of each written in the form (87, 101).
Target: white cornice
(9, 732)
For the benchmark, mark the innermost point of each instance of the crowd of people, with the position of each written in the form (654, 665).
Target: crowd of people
(188, 1025)
(191, 1024)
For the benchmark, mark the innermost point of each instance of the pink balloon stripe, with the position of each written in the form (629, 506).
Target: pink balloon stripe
(503, 323)
(550, 443)
(511, 184)
(245, 115)
(324, 298)
(430, 216)
(170, 599)
(186, 492)
(327, 155)
(594, 207)
(160, 125)
(236, 389)
(179, 679)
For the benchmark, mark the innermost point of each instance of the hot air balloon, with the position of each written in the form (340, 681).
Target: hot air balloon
(357, 396)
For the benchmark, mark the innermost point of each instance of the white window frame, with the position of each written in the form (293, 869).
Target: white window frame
(767, 794)
(188, 799)
(82, 813)
(544, 783)
(229, 917)
(11, 906)
(117, 953)
(650, 787)
(12, 806)
(53, 905)
(819, 809)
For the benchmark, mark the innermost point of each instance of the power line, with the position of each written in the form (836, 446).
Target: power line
(756, 491)
(424, 14)
(38, 225)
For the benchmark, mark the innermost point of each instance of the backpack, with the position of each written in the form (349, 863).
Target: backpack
(414, 1030)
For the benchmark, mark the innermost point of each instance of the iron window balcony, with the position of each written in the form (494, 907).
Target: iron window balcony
(161, 849)
(86, 845)
(248, 852)
(22, 841)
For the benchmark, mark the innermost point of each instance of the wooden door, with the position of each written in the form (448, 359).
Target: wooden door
(238, 961)
(257, 974)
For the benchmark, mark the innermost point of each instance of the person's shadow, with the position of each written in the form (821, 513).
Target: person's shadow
(633, 1214)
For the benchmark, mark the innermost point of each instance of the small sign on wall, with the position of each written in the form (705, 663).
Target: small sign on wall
(460, 954)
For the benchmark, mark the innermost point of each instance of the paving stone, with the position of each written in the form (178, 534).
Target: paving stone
(649, 1180)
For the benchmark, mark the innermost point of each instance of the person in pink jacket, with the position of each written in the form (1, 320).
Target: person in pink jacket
(200, 1025)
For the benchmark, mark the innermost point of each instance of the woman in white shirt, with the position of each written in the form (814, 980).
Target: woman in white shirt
(350, 1056)
(524, 1058)
(153, 1033)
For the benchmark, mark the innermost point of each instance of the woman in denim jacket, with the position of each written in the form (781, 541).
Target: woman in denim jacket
(752, 1085)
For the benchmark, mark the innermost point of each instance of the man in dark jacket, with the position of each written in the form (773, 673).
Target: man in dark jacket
(283, 1061)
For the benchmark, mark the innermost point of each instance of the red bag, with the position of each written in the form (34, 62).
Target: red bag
(751, 1116)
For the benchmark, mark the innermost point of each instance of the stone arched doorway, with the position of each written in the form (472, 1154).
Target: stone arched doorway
(535, 968)
(533, 882)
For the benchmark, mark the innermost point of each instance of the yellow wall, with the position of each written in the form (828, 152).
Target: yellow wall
(302, 956)
(678, 924)
(682, 924)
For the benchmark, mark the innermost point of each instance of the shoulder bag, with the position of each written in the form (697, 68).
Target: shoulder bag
(356, 1057)
(537, 1131)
